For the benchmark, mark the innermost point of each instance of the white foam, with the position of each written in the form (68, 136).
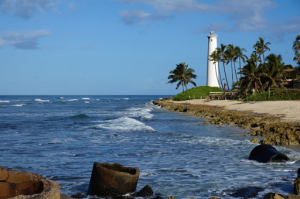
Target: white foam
(72, 100)
(126, 98)
(19, 105)
(6, 101)
(85, 98)
(140, 112)
(86, 102)
(40, 100)
(125, 124)
(61, 98)
(98, 99)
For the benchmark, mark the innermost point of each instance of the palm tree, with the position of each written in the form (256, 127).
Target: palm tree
(230, 56)
(261, 47)
(215, 57)
(240, 55)
(296, 44)
(251, 77)
(254, 57)
(221, 51)
(183, 74)
(297, 55)
(273, 71)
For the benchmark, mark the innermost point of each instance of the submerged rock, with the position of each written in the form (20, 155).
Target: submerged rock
(248, 192)
(145, 192)
(112, 180)
(266, 153)
(64, 196)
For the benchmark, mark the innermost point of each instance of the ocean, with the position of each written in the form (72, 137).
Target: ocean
(60, 137)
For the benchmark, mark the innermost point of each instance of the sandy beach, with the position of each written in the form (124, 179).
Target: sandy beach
(289, 109)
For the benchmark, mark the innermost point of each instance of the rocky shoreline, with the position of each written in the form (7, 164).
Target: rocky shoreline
(274, 130)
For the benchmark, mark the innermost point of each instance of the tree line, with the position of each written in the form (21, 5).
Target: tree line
(259, 72)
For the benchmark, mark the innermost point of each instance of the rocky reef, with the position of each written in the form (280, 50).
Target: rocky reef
(276, 132)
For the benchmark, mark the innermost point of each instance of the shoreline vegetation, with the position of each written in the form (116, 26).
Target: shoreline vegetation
(275, 128)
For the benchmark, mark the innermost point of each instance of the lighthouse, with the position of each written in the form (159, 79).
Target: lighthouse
(212, 67)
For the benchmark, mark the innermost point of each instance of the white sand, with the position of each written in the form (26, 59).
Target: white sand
(290, 109)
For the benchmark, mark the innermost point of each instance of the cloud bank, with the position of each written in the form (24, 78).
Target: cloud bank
(23, 40)
(26, 8)
(246, 15)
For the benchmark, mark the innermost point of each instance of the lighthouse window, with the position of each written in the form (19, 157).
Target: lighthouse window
(211, 40)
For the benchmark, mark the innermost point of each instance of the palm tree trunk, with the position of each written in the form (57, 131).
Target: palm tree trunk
(231, 71)
(240, 66)
(220, 75)
(217, 74)
(235, 71)
(182, 86)
(226, 76)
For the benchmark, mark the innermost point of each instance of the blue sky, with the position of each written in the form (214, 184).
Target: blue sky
(128, 47)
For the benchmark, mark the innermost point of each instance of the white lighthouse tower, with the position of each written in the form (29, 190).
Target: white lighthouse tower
(212, 67)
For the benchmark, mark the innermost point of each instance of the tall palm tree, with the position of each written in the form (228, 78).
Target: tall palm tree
(183, 74)
(262, 47)
(251, 77)
(230, 56)
(297, 56)
(240, 55)
(273, 71)
(221, 51)
(254, 57)
(215, 57)
(296, 44)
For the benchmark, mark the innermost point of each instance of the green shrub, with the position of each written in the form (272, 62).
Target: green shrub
(290, 94)
(196, 93)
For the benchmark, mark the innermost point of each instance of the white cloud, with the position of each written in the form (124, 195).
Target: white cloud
(139, 17)
(26, 8)
(23, 40)
(246, 15)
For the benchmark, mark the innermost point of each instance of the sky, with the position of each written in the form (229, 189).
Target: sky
(128, 47)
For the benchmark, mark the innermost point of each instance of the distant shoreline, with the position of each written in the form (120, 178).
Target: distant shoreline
(277, 121)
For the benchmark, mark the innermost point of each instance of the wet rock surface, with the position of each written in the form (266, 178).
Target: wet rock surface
(274, 196)
(248, 192)
(145, 192)
(276, 131)
(266, 153)
(64, 196)
(112, 180)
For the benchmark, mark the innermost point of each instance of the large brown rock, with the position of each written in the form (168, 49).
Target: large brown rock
(24, 185)
(111, 180)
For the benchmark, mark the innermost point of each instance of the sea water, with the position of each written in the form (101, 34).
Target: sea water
(60, 137)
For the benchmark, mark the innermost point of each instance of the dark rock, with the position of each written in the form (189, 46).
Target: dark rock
(112, 180)
(297, 183)
(266, 153)
(64, 196)
(79, 195)
(145, 192)
(248, 192)
(157, 197)
(1, 167)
